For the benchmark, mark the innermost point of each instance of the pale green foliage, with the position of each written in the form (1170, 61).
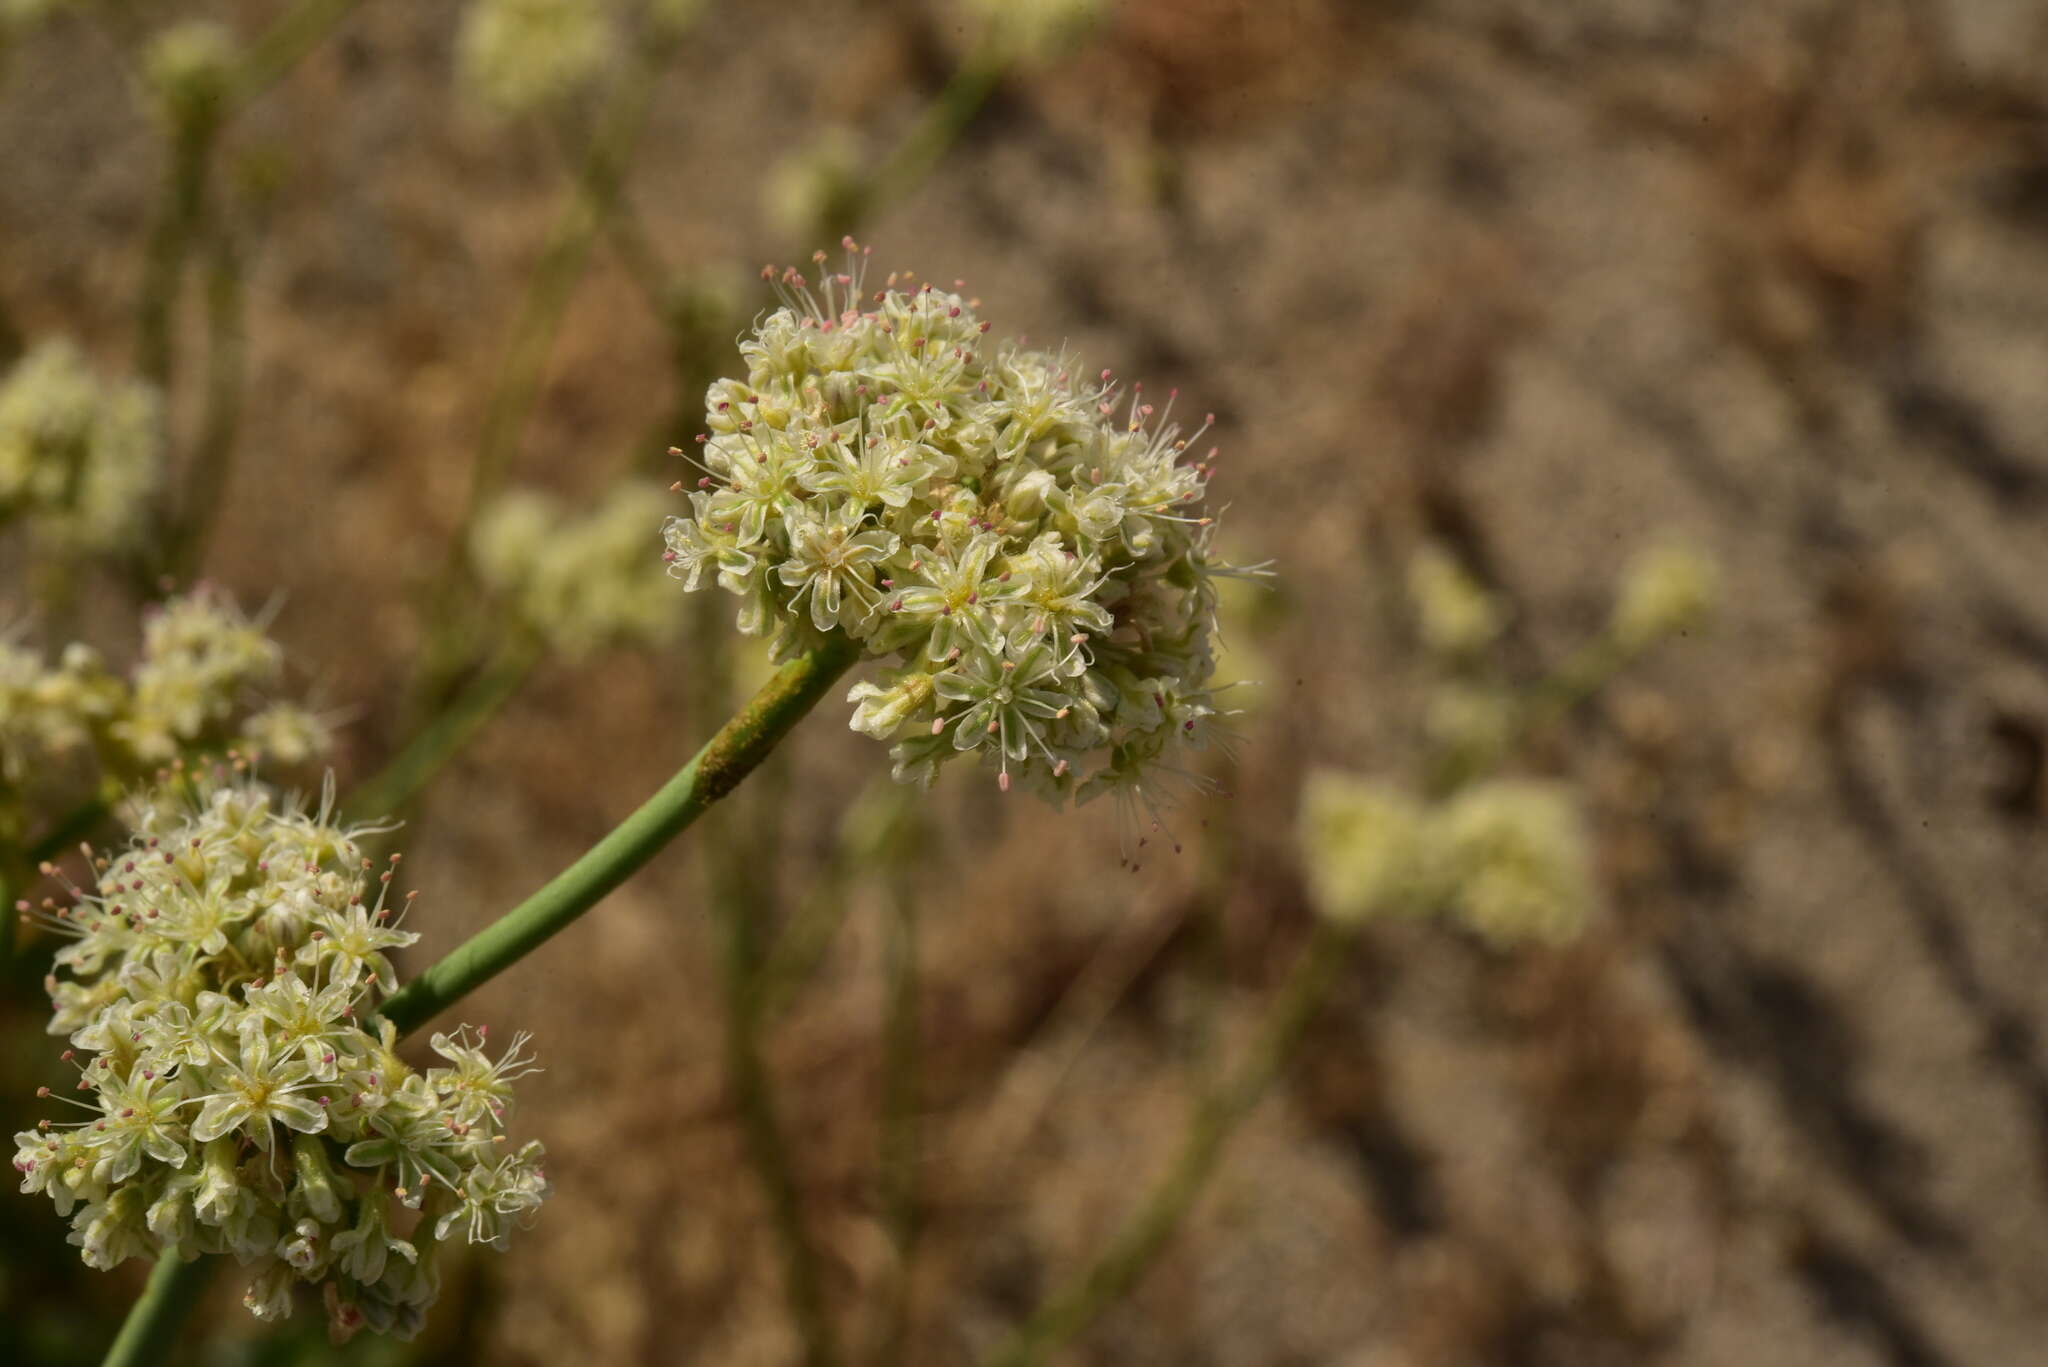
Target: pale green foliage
(1021, 540)
(79, 457)
(523, 56)
(579, 583)
(220, 983)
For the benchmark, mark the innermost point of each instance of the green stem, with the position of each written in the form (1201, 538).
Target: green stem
(440, 740)
(935, 131)
(754, 1095)
(1145, 1234)
(152, 1324)
(730, 756)
(213, 453)
(714, 771)
(901, 1058)
(600, 184)
(169, 243)
(283, 46)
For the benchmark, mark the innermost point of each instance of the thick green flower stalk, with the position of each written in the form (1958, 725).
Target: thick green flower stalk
(216, 986)
(81, 457)
(1026, 544)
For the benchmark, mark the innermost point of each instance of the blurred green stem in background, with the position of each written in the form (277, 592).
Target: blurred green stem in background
(901, 1095)
(393, 788)
(714, 771)
(739, 925)
(936, 130)
(213, 452)
(152, 1324)
(600, 184)
(283, 46)
(1146, 1233)
(170, 241)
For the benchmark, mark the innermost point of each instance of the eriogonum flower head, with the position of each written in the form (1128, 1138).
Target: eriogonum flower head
(1023, 543)
(80, 456)
(219, 988)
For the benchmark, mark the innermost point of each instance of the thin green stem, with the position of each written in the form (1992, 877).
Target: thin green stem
(401, 780)
(153, 1322)
(1146, 1233)
(714, 771)
(170, 241)
(283, 46)
(754, 1095)
(728, 757)
(936, 130)
(600, 182)
(213, 452)
(901, 1099)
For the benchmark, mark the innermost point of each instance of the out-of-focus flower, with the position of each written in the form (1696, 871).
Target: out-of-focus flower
(1362, 847)
(522, 56)
(1511, 856)
(1037, 31)
(79, 456)
(1667, 590)
(1456, 616)
(580, 583)
(817, 185)
(189, 68)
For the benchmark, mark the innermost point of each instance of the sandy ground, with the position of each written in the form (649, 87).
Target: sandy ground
(1544, 283)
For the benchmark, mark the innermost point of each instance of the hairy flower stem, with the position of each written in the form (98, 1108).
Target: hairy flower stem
(152, 1324)
(1146, 1233)
(600, 183)
(740, 745)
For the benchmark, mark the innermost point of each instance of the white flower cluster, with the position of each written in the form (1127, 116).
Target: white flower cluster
(1507, 857)
(522, 56)
(579, 583)
(237, 1098)
(1026, 543)
(79, 456)
(195, 689)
